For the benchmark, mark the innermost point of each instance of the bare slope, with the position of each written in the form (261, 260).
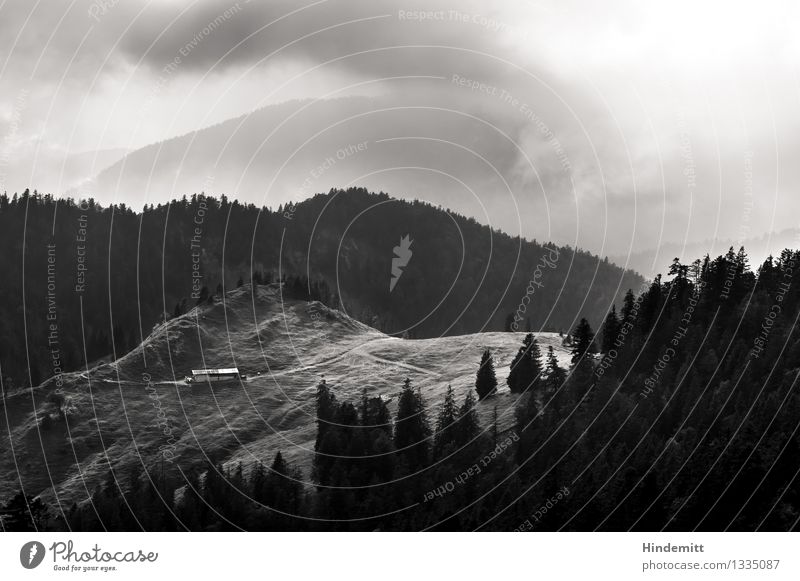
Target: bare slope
(120, 414)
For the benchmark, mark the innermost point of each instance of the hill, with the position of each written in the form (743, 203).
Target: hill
(86, 282)
(685, 420)
(63, 437)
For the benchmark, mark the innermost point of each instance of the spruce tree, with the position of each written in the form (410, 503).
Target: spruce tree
(610, 330)
(526, 367)
(555, 374)
(628, 304)
(445, 436)
(582, 341)
(468, 425)
(411, 428)
(326, 411)
(486, 380)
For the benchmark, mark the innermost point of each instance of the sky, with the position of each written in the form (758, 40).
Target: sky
(612, 126)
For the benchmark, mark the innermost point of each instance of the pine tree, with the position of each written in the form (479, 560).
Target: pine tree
(486, 380)
(374, 413)
(326, 411)
(582, 341)
(411, 428)
(468, 426)
(556, 376)
(628, 305)
(526, 367)
(445, 435)
(610, 330)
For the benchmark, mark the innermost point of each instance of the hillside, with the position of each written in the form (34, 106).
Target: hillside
(285, 347)
(106, 276)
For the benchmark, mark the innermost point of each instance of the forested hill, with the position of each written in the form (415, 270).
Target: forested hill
(82, 281)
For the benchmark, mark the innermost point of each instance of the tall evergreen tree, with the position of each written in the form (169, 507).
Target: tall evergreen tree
(444, 439)
(628, 305)
(468, 424)
(610, 330)
(582, 340)
(411, 428)
(556, 376)
(486, 380)
(327, 409)
(526, 367)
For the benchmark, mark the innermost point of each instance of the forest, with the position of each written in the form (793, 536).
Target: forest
(679, 413)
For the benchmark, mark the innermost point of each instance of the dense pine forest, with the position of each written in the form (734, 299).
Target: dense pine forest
(83, 282)
(679, 413)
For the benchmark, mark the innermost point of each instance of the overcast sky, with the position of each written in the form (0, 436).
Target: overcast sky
(629, 123)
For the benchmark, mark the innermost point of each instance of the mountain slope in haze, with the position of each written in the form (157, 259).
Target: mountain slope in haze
(63, 443)
(286, 152)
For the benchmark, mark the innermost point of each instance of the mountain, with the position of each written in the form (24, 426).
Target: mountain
(84, 424)
(285, 152)
(86, 282)
(53, 169)
(493, 163)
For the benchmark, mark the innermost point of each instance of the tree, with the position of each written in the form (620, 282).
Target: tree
(445, 436)
(582, 341)
(411, 428)
(628, 305)
(486, 380)
(326, 411)
(280, 488)
(468, 425)
(374, 413)
(610, 330)
(526, 367)
(556, 376)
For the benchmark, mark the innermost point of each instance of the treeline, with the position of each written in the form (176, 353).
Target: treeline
(211, 499)
(85, 282)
